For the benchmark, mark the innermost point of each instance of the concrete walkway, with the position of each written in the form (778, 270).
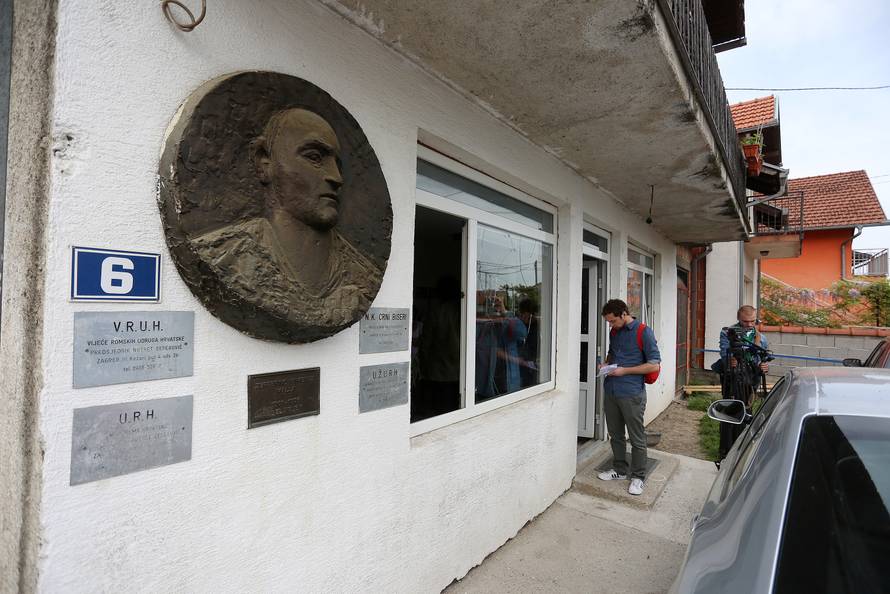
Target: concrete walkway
(584, 543)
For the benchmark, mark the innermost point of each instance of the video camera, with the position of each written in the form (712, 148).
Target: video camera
(739, 345)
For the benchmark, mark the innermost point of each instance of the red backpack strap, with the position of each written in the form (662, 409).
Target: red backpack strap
(640, 329)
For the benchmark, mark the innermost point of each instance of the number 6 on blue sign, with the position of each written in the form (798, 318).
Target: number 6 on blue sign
(114, 275)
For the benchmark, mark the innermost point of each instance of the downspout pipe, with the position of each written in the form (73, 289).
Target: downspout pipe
(856, 234)
(694, 292)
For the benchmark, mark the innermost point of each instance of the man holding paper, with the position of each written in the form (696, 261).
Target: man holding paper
(633, 351)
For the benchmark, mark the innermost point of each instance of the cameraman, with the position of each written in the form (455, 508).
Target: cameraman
(742, 368)
(745, 329)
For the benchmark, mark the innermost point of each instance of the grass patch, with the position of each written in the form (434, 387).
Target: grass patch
(709, 437)
(758, 402)
(701, 400)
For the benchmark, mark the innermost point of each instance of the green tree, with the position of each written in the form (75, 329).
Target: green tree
(878, 296)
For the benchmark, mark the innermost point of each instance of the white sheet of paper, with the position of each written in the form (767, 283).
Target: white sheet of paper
(606, 370)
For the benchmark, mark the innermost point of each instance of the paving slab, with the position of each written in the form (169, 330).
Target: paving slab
(659, 468)
(589, 544)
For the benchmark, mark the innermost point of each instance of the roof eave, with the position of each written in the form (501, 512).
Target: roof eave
(847, 226)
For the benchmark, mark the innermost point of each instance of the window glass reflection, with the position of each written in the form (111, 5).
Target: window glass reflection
(635, 292)
(513, 305)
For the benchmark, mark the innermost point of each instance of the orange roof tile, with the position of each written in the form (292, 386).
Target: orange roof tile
(754, 113)
(835, 200)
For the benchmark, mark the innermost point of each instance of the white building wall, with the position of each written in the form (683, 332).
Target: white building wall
(334, 502)
(721, 294)
(732, 281)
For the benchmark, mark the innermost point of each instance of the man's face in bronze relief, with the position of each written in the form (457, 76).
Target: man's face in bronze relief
(299, 159)
(260, 236)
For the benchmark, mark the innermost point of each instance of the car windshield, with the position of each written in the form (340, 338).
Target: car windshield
(836, 536)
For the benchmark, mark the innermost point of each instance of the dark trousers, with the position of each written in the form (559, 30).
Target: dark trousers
(627, 412)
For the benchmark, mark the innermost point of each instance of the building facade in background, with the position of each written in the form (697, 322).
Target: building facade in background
(523, 150)
(834, 206)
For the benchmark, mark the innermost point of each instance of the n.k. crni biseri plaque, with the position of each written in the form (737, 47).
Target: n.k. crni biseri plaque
(282, 396)
(115, 439)
(383, 330)
(274, 206)
(132, 346)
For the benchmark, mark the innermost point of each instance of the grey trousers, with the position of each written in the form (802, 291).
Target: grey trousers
(621, 412)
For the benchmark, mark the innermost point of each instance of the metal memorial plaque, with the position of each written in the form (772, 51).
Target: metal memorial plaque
(282, 396)
(382, 386)
(384, 330)
(116, 439)
(132, 346)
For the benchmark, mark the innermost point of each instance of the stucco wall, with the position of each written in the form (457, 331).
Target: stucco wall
(722, 290)
(819, 263)
(335, 502)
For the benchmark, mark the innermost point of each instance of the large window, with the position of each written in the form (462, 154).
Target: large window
(483, 294)
(640, 275)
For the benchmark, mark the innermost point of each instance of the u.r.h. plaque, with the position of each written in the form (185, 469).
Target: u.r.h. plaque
(115, 439)
(282, 396)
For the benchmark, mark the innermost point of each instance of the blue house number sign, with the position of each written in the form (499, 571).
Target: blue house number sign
(114, 275)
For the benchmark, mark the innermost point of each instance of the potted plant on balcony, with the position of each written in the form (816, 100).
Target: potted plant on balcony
(752, 145)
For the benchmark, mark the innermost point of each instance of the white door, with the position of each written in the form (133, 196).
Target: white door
(593, 281)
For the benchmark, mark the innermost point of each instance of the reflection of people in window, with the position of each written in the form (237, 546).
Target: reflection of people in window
(291, 261)
(498, 336)
(529, 372)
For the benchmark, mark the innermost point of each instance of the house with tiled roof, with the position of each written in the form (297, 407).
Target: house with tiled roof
(756, 113)
(834, 207)
(761, 115)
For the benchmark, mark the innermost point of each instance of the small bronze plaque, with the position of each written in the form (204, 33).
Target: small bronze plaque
(282, 396)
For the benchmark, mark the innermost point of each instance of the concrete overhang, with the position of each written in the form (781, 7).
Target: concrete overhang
(766, 247)
(599, 84)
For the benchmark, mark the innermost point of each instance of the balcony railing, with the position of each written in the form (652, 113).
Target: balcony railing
(779, 216)
(689, 28)
(870, 262)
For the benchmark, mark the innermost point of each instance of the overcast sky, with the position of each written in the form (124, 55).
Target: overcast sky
(822, 43)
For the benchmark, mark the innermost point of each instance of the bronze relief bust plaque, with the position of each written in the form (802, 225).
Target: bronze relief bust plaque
(274, 206)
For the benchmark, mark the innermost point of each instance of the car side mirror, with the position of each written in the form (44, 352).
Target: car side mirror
(728, 411)
(852, 362)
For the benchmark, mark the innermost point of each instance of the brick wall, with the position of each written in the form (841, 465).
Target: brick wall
(823, 343)
(697, 307)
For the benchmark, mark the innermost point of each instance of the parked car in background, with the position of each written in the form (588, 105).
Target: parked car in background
(879, 357)
(800, 503)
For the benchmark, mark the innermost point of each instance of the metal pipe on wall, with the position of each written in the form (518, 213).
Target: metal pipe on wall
(856, 234)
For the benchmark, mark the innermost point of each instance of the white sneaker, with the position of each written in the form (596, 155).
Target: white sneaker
(611, 475)
(636, 486)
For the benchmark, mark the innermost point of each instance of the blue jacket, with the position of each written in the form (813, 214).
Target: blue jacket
(625, 352)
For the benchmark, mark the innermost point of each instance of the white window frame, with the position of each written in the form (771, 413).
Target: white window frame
(647, 309)
(474, 217)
